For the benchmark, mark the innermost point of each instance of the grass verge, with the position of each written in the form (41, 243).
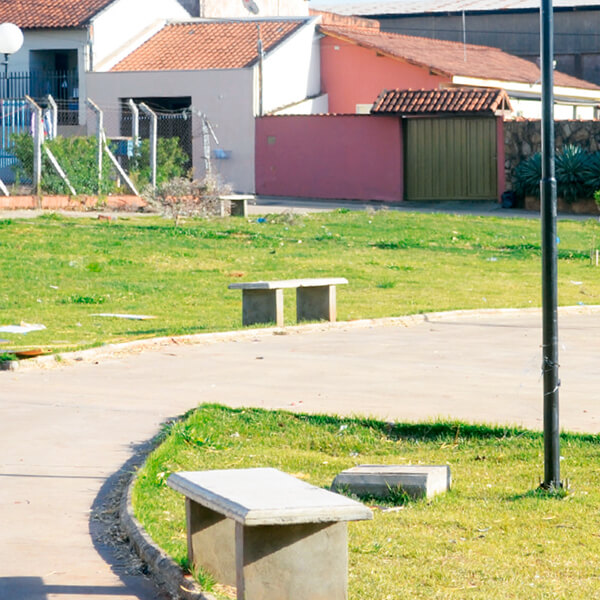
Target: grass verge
(494, 535)
(61, 272)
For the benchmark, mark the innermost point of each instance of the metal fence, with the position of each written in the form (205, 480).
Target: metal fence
(63, 86)
(15, 118)
(153, 148)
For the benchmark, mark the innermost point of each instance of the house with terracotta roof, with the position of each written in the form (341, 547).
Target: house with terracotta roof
(214, 67)
(415, 145)
(511, 25)
(358, 60)
(65, 39)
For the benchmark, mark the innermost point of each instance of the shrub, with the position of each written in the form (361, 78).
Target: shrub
(76, 155)
(182, 197)
(171, 161)
(78, 158)
(591, 171)
(573, 166)
(570, 173)
(527, 176)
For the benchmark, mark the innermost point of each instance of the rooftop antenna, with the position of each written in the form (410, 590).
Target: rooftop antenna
(464, 32)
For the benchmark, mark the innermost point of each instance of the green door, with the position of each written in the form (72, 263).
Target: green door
(451, 159)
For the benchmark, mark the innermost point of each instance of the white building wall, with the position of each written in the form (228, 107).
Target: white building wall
(234, 9)
(61, 39)
(48, 39)
(313, 106)
(125, 25)
(225, 96)
(292, 72)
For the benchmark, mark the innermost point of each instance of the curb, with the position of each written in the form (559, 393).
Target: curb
(167, 574)
(111, 350)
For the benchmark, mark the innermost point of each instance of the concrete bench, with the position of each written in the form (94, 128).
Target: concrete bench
(238, 202)
(272, 536)
(262, 301)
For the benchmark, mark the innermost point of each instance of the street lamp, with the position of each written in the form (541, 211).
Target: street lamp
(11, 40)
(549, 256)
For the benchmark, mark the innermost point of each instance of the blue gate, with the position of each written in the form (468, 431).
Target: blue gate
(15, 117)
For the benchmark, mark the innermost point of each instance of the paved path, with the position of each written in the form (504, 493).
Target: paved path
(64, 431)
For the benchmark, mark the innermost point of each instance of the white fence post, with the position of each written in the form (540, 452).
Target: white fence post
(135, 123)
(153, 140)
(54, 109)
(38, 134)
(100, 136)
(207, 133)
(59, 170)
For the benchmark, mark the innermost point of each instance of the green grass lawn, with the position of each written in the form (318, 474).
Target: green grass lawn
(60, 271)
(492, 536)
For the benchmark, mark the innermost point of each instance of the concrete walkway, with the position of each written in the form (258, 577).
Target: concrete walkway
(65, 430)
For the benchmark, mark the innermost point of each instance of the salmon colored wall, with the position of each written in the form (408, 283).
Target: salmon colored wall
(357, 157)
(353, 75)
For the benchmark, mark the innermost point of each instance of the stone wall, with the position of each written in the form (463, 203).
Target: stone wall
(522, 138)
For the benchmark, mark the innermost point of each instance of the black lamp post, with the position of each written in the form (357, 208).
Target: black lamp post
(549, 257)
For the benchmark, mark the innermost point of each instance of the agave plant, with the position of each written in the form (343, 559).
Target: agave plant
(527, 176)
(591, 171)
(571, 181)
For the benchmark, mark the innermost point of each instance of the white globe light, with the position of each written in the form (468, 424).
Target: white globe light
(11, 38)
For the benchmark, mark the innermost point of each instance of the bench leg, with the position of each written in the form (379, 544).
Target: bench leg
(292, 562)
(239, 208)
(316, 303)
(211, 542)
(262, 306)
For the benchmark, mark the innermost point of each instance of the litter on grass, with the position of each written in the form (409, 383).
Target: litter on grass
(30, 353)
(22, 328)
(122, 316)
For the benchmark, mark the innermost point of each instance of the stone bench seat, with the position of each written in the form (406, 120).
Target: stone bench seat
(238, 204)
(262, 301)
(269, 534)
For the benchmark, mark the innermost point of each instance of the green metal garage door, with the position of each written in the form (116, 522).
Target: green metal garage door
(451, 159)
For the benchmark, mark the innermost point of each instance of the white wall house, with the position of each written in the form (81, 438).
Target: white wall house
(215, 65)
(68, 38)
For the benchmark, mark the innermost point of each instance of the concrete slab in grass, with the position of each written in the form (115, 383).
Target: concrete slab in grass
(418, 481)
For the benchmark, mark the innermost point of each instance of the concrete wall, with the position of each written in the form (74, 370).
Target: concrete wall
(326, 156)
(353, 75)
(292, 72)
(127, 24)
(225, 96)
(268, 8)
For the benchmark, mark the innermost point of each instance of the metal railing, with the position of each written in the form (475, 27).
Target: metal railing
(63, 86)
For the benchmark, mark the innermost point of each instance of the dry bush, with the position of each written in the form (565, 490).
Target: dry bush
(181, 197)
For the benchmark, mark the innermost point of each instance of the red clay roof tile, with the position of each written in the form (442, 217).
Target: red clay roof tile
(451, 58)
(454, 100)
(50, 14)
(207, 45)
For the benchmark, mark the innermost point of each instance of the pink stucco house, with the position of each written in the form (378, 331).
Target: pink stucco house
(358, 61)
(409, 118)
